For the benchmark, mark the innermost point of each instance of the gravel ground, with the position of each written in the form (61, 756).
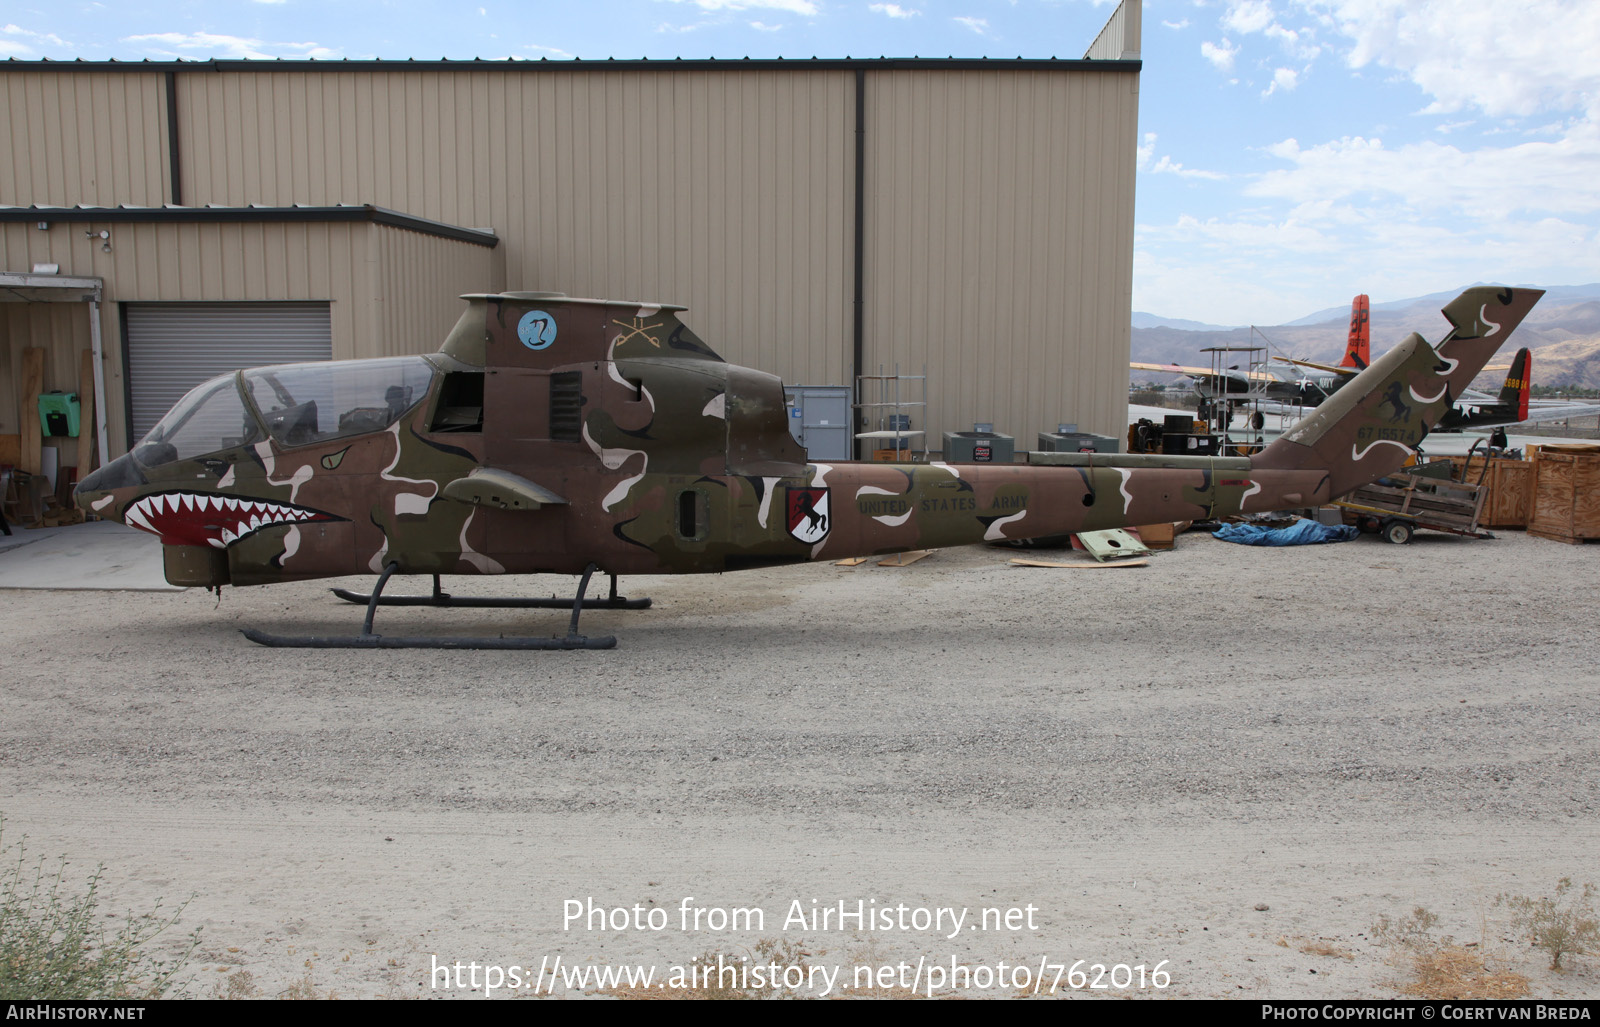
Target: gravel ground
(1233, 760)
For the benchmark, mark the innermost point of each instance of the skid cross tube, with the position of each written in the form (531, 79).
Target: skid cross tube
(368, 640)
(441, 598)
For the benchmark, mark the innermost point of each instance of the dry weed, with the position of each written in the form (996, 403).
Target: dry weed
(238, 986)
(1564, 925)
(1459, 972)
(305, 990)
(1440, 968)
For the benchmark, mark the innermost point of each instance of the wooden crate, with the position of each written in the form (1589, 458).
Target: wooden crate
(1566, 502)
(1157, 536)
(1510, 483)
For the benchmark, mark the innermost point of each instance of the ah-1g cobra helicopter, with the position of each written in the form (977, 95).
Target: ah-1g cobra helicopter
(570, 436)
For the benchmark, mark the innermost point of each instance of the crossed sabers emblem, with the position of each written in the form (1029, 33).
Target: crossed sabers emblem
(637, 326)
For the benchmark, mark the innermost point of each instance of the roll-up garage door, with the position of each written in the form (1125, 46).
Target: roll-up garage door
(172, 347)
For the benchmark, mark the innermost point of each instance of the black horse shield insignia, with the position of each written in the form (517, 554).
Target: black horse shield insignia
(807, 514)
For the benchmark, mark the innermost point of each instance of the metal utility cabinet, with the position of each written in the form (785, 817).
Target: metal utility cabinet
(819, 419)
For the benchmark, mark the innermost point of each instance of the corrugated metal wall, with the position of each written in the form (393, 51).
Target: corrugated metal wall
(86, 137)
(999, 207)
(1120, 38)
(1000, 244)
(727, 191)
(172, 347)
(392, 290)
(418, 281)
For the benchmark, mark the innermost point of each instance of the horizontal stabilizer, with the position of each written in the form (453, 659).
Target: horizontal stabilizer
(502, 490)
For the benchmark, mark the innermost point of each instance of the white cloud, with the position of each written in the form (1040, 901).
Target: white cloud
(1250, 268)
(1422, 215)
(1148, 163)
(1283, 78)
(1147, 149)
(893, 10)
(978, 25)
(1166, 165)
(1221, 56)
(761, 26)
(552, 50)
(803, 7)
(1550, 177)
(1176, 24)
(1504, 59)
(24, 43)
(200, 45)
(1246, 16)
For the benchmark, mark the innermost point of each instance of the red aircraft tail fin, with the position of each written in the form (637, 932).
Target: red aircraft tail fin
(1519, 384)
(1357, 351)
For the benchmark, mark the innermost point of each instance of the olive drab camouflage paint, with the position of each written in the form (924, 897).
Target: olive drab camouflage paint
(551, 433)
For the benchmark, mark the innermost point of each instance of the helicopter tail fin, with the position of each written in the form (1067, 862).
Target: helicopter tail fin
(1358, 347)
(1374, 424)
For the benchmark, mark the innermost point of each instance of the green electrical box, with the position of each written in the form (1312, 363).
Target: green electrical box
(58, 414)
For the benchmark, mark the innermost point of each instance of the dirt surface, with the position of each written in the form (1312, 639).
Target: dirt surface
(1233, 760)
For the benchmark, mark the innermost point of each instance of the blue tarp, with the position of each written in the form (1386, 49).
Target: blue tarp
(1301, 533)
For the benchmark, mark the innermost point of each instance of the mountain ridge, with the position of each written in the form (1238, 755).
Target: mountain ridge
(1563, 332)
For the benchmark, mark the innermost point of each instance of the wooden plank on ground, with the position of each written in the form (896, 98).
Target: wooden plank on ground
(1462, 521)
(1419, 501)
(1570, 540)
(904, 559)
(1077, 565)
(852, 561)
(1457, 494)
(86, 421)
(32, 385)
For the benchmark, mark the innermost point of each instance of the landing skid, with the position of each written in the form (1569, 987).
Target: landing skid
(368, 640)
(445, 599)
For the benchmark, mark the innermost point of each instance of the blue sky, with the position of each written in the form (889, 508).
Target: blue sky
(1293, 152)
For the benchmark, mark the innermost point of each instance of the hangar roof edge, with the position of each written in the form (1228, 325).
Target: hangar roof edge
(252, 213)
(544, 64)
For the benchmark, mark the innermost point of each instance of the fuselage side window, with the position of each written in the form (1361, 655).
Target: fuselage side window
(305, 403)
(460, 406)
(211, 418)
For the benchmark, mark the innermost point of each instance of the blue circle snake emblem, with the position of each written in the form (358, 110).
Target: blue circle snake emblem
(537, 330)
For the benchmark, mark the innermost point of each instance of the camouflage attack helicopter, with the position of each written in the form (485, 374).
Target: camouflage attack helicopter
(570, 436)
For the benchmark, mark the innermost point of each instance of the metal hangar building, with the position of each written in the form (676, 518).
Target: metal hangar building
(165, 222)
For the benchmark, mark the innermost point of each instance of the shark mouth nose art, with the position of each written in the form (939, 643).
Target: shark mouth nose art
(201, 519)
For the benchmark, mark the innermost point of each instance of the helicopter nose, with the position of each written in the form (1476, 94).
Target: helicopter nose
(119, 473)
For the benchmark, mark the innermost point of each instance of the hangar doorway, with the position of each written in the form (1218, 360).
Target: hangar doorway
(169, 348)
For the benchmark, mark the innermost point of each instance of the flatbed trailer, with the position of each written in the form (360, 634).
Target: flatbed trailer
(1396, 506)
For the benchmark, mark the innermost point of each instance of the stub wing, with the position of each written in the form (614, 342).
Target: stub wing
(501, 490)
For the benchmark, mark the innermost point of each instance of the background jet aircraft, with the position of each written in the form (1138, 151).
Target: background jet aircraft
(1283, 382)
(1305, 384)
(1514, 405)
(571, 436)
